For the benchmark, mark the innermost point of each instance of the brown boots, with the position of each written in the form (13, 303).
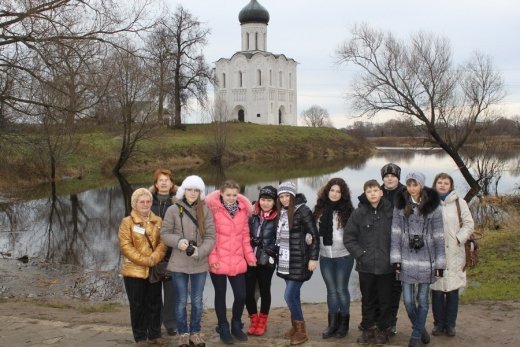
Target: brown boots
(298, 333)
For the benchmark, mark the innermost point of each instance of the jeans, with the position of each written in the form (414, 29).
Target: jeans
(168, 309)
(445, 306)
(144, 299)
(336, 274)
(261, 274)
(238, 285)
(417, 311)
(292, 298)
(180, 281)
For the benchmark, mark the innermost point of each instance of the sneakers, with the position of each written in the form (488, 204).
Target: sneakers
(184, 340)
(381, 337)
(392, 330)
(197, 340)
(437, 331)
(450, 331)
(171, 332)
(366, 337)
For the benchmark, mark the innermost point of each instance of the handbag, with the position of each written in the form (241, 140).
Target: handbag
(471, 246)
(158, 272)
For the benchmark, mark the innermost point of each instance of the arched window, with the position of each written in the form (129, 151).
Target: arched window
(247, 41)
(256, 41)
(240, 79)
(290, 80)
(271, 78)
(223, 80)
(280, 79)
(259, 77)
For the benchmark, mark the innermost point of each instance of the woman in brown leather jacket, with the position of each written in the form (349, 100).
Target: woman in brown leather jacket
(141, 247)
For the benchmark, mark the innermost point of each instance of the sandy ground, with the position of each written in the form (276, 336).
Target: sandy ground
(27, 318)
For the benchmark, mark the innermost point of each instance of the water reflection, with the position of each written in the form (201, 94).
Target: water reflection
(80, 230)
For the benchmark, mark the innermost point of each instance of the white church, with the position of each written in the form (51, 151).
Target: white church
(257, 86)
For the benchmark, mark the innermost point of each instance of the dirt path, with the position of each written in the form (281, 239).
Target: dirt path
(33, 322)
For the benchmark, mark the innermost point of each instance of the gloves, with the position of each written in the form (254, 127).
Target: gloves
(182, 244)
(439, 272)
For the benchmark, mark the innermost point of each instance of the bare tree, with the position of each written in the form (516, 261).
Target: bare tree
(188, 71)
(316, 117)
(27, 28)
(220, 115)
(417, 79)
(129, 87)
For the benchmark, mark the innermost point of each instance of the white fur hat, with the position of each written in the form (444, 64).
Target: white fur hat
(191, 182)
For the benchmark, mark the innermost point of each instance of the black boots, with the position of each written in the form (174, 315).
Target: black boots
(343, 326)
(333, 326)
(236, 330)
(225, 336)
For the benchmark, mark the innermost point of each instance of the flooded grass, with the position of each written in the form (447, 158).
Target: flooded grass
(497, 276)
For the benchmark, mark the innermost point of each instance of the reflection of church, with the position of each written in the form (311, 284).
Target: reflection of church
(257, 86)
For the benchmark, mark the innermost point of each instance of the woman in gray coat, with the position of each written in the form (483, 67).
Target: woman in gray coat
(417, 251)
(458, 227)
(188, 228)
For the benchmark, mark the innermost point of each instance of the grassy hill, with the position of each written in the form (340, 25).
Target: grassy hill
(97, 150)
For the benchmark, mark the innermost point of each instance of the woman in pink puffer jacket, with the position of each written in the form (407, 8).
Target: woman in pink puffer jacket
(231, 255)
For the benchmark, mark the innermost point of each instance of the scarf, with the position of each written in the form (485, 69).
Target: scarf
(327, 222)
(231, 208)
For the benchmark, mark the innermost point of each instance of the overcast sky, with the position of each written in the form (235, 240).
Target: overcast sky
(309, 31)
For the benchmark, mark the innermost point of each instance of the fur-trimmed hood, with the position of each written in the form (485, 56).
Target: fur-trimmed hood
(433, 201)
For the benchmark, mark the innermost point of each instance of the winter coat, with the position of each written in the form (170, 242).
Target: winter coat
(177, 226)
(454, 238)
(233, 247)
(159, 208)
(137, 253)
(392, 195)
(418, 266)
(267, 236)
(368, 236)
(299, 252)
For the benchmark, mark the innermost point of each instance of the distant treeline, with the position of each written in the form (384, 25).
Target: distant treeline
(407, 128)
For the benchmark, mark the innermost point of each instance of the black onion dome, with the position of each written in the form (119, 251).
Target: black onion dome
(253, 13)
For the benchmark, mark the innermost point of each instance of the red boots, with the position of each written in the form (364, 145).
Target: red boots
(258, 324)
(253, 324)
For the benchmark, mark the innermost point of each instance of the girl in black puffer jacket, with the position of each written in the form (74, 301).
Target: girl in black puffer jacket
(298, 241)
(262, 228)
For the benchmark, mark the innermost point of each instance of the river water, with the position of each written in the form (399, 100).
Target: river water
(81, 229)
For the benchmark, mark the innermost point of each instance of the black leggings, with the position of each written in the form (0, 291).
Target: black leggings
(238, 285)
(261, 274)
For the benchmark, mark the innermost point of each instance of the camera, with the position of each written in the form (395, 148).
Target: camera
(416, 242)
(190, 250)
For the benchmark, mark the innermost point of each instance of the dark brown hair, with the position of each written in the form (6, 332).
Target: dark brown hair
(442, 176)
(370, 184)
(290, 209)
(346, 207)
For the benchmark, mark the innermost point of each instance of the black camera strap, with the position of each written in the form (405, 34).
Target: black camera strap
(182, 211)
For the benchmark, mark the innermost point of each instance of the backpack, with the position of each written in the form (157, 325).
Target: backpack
(470, 246)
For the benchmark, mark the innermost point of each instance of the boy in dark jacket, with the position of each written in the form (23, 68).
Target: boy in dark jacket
(368, 237)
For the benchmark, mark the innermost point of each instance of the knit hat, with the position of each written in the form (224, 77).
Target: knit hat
(268, 192)
(192, 182)
(392, 169)
(287, 187)
(417, 176)
(137, 194)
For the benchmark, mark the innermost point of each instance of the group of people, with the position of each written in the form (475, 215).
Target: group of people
(404, 239)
